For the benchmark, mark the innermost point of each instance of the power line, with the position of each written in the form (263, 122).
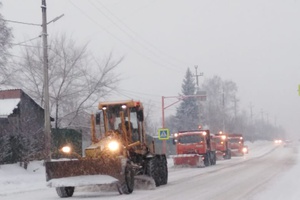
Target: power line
(18, 22)
(24, 45)
(132, 94)
(134, 35)
(12, 55)
(141, 38)
(29, 40)
(129, 46)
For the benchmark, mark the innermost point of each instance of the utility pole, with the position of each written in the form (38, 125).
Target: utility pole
(251, 113)
(235, 106)
(197, 76)
(251, 123)
(47, 129)
(223, 109)
(262, 115)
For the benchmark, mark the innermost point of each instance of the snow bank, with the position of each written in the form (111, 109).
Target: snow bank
(15, 179)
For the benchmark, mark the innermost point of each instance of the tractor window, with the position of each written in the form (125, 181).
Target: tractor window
(133, 120)
(186, 139)
(113, 120)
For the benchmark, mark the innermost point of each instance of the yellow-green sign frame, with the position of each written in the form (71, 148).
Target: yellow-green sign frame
(163, 134)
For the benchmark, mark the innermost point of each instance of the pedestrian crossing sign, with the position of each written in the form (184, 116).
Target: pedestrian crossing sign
(163, 134)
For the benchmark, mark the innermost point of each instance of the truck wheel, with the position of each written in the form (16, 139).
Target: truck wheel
(127, 186)
(227, 155)
(207, 159)
(152, 170)
(214, 159)
(65, 191)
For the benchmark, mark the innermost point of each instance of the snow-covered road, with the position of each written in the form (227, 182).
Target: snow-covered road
(239, 178)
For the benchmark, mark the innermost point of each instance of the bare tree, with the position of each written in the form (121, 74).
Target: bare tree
(77, 80)
(221, 106)
(5, 43)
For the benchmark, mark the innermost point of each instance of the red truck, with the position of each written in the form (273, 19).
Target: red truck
(237, 145)
(194, 148)
(223, 150)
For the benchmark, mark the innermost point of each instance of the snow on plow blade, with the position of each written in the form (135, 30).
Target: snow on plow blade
(236, 152)
(193, 160)
(73, 168)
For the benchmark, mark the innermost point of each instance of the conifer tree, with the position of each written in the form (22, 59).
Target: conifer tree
(187, 115)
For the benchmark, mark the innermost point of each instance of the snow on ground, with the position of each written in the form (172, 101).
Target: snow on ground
(286, 185)
(14, 179)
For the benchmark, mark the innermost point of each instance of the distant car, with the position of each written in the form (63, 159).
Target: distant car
(278, 141)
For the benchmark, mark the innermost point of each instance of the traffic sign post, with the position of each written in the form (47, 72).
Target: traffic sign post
(163, 134)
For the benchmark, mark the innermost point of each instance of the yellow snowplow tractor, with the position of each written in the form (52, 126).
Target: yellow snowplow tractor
(118, 153)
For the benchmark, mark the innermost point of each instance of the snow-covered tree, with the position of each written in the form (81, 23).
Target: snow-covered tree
(4, 148)
(187, 114)
(5, 43)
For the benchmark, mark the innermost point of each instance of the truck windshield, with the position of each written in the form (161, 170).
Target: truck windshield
(235, 140)
(185, 139)
(218, 139)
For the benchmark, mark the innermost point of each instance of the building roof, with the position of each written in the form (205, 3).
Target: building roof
(7, 106)
(10, 94)
(9, 100)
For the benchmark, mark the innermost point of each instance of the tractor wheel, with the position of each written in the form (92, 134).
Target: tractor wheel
(164, 170)
(65, 191)
(127, 186)
(152, 170)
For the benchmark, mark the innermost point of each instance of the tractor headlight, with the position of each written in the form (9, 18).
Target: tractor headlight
(113, 146)
(66, 149)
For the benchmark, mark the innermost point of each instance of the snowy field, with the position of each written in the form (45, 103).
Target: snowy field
(17, 183)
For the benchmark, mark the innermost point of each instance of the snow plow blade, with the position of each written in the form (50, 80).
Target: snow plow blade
(193, 160)
(73, 168)
(236, 153)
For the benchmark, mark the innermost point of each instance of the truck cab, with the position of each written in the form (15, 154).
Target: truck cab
(197, 144)
(237, 144)
(222, 145)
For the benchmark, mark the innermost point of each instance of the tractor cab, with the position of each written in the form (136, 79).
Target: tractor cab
(124, 118)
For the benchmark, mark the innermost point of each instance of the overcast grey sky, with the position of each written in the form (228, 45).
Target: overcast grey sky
(255, 44)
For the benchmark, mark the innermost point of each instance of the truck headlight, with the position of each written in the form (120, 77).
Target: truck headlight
(244, 149)
(113, 146)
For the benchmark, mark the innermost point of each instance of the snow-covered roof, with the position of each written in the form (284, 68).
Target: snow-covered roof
(7, 106)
